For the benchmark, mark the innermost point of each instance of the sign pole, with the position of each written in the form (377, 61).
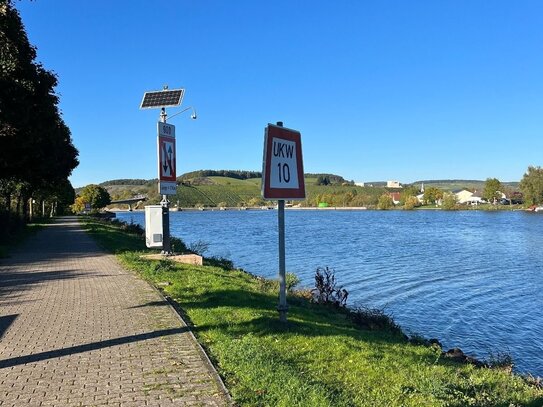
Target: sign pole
(283, 306)
(282, 179)
(166, 246)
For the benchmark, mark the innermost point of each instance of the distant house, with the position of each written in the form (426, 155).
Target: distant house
(359, 184)
(395, 197)
(393, 184)
(467, 197)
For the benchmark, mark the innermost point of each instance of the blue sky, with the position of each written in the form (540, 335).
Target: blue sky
(380, 90)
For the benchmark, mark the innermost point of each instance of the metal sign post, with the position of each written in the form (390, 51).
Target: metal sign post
(167, 184)
(282, 178)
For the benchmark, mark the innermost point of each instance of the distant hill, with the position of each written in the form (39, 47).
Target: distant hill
(242, 188)
(127, 182)
(212, 188)
(237, 174)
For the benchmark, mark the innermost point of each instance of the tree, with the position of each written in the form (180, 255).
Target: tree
(449, 201)
(407, 192)
(36, 149)
(492, 190)
(78, 205)
(95, 195)
(385, 202)
(531, 186)
(432, 195)
(323, 180)
(411, 202)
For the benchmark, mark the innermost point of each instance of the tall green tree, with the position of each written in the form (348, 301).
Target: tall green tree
(96, 196)
(531, 186)
(35, 144)
(492, 190)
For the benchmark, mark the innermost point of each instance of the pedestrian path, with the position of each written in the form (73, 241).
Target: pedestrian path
(78, 330)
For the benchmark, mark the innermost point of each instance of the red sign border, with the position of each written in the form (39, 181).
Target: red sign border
(161, 177)
(295, 136)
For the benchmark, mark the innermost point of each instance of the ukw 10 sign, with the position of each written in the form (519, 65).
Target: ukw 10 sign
(282, 166)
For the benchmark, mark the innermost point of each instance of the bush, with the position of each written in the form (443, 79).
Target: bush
(10, 225)
(374, 319)
(163, 265)
(500, 360)
(449, 202)
(199, 247)
(217, 261)
(177, 244)
(385, 202)
(269, 285)
(133, 228)
(411, 202)
(326, 290)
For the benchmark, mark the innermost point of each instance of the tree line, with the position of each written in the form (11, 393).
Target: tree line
(236, 174)
(36, 151)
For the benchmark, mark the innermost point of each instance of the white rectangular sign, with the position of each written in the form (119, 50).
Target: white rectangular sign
(167, 187)
(283, 168)
(166, 129)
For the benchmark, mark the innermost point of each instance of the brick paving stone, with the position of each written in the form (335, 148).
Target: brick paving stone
(78, 330)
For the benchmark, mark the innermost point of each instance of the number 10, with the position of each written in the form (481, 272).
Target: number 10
(285, 172)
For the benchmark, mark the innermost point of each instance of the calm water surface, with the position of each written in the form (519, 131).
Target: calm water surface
(472, 279)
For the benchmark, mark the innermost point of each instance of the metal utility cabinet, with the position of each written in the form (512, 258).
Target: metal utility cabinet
(153, 226)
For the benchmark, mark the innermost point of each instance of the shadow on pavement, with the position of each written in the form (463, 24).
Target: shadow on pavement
(5, 323)
(37, 357)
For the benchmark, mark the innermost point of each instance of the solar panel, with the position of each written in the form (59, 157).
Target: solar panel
(162, 98)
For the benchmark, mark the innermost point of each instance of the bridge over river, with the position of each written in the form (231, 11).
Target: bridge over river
(131, 201)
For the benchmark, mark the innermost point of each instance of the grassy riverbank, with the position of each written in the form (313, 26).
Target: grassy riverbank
(320, 358)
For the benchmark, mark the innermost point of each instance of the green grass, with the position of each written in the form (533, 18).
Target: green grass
(319, 358)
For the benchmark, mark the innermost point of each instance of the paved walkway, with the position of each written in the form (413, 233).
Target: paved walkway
(77, 330)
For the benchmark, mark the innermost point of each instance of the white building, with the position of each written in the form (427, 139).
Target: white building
(467, 197)
(393, 184)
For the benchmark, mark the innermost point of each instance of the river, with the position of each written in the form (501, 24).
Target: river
(472, 279)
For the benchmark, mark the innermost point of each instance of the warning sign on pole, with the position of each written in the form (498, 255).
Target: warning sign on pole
(282, 166)
(167, 184)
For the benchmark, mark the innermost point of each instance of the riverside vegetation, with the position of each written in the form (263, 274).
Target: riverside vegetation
(223, 188)
(325, 355)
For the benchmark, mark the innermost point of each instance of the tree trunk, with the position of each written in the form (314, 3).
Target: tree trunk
(31, 209)
(25, 208)
(18, 207)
